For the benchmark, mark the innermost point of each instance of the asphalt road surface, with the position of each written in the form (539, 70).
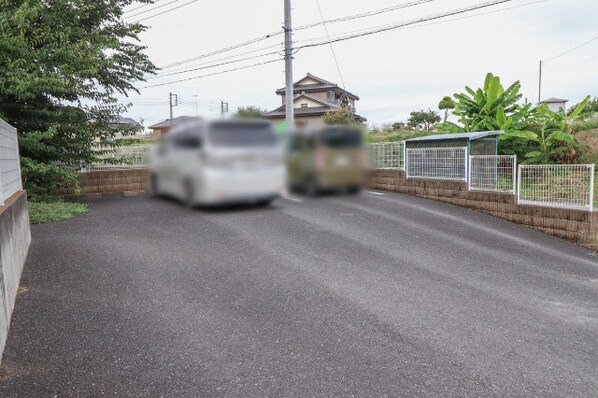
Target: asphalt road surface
(367, 296)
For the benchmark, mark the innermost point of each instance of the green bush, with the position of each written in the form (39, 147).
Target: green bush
(584, 126)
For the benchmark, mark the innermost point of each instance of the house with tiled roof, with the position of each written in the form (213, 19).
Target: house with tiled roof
(556, 104)
(313, 98)
(162, 128)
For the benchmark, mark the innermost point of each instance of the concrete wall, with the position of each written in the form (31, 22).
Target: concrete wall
(15, 237)
(110, 182)
(574, 225)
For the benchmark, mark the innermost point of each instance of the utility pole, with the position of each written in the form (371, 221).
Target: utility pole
(288, 64)
(223, 108)
(540, 85)
(172, 103)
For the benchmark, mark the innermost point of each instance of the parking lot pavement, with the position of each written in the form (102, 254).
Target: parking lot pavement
(374, 295)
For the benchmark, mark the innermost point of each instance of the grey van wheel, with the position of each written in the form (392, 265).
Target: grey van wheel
(311, 187)
(154, 185)
(189, 194)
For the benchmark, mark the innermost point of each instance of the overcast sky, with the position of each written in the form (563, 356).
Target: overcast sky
(393, 72)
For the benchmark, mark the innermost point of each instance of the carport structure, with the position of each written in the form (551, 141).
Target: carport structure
(445, 156)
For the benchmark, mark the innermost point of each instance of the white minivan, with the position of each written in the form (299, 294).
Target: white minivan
(220, 162)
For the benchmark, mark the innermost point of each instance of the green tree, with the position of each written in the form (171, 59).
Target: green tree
(339, 116)
(423, 119)
(446, 104)
(62, 65)
(250, 111)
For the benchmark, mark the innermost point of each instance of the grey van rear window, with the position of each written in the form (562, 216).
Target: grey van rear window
(241, 135)
(340, 138)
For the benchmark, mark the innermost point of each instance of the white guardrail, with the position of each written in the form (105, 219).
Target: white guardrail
(10, 166)
(569, 186)
(387, 155)
(437, 163)
(493, 173)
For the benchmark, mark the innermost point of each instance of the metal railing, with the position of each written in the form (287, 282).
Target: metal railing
(569, 186)
(123, 157)
(437, 163)
(387, 155)
(10, 166)
(493, 173)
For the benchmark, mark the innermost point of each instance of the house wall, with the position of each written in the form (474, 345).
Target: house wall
(310, 103)
(15, 237)
(303, 121)
(556, 106)
(573, 225)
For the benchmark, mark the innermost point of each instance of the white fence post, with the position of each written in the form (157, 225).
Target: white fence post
(518, 184)
(515, 179)
(469, 177)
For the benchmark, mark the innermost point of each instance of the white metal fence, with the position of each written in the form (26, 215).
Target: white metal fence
(387, 155)
(566, 186)
(437, 163)
(123, 157)
(493, 173)
(10, 167)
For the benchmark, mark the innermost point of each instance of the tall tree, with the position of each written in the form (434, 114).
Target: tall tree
(446, 105)
(423, 119)
(62, 65)
(339, 116)
(250, 111)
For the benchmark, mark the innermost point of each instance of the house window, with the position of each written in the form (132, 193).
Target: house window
(304, 105)
(330, 95)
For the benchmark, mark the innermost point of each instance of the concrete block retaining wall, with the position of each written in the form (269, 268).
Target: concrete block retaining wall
(15, 237)
(574, 225)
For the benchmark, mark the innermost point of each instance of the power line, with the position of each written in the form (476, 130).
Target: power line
(570, 50)
(349, 36)
(404, 24)
(331, 46)
(430, 23)
(214, 74)
(363, 14)
(153, 8)
(166, 11)
(211, 66)
(277, 33)
(225, 49)
(141, 6)
(227, 57)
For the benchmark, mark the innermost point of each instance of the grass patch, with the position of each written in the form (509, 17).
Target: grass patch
(43, 212)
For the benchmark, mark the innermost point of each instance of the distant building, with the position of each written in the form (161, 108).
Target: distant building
(555, 104)
(119, 122)
(162, 128)
(313, 98)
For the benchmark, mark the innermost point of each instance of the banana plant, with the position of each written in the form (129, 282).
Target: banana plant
(491, 107)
